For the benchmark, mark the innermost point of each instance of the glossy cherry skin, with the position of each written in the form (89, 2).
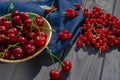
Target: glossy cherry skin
(24, 16)
(27, 23)
(31, 35)
(12, 38)
(67, 66)
(29, 49)
(3, 30)
(7, 24)
(18, 53)
(40, 41)
(40, 22)
(16, 21)
(15, 13)
(7, 54)
(55, 74)
(22, 40)
(12, 30)
(2, 39)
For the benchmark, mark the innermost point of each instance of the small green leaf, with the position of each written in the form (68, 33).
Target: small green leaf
(46, 7)
(11, 5)
(31, 16)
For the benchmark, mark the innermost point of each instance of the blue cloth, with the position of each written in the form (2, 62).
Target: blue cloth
(56, 19)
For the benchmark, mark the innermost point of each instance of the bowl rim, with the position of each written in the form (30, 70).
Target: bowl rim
(34, 55)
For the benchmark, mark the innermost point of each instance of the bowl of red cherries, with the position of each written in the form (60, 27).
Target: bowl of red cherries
(23, 35)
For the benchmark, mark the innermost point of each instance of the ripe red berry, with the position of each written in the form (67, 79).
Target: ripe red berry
(55, 74)
(18, 53)
(29, 49)
(67, 66)
(78, 6)
(79, 43)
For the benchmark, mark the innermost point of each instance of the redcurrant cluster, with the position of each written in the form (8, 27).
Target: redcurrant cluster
(70, 13)
(55, 73)
(64, 35)
(21, 36)
(100, 29)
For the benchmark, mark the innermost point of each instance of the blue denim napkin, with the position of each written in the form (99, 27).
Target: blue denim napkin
(56, 19)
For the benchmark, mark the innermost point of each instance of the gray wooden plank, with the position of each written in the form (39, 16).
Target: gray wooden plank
(86, 64)
(6, 70)
(111, 70)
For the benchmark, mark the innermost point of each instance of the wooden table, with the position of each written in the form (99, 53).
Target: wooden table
(87, 65)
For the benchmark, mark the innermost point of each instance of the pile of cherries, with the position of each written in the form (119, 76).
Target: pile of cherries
(71, 13)
(20, 35)
(100, 29)
(64, 35)
(55, 73)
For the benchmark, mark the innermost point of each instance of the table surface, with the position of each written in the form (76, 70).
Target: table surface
(86, 65)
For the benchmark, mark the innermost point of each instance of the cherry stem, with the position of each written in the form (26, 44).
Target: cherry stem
(4, 37)
(21, 28)
(10, 46)
(53, 2)
(48, 29)
(100, 50)
(48, 14)
(54, 55)
(84, 45)
(49, 51)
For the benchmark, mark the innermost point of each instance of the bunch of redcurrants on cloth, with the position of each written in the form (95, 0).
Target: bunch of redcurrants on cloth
(100, 29)
(20, 35)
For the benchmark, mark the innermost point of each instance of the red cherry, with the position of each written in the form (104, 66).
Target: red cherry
(67, 15)
(69, 35)
(7, 54)
(64, 37)
(79, 43)
(29, 49)
(16, 21)
(66, 31)
(18, 53)
(40, 41)
(97, 45)
(27, 23)
(3, 19)
(15, 13)
(3, 30)
(31, 42)
(24, 31)
(12, 38)
(40, 22)
(7, 24)
(22, 40)
(67, 66)
(103, 48)
(78, 6)
(12, 30)
(76, 13)
(93, 41)
(31, 35)
(55, 74)
(24, 16)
